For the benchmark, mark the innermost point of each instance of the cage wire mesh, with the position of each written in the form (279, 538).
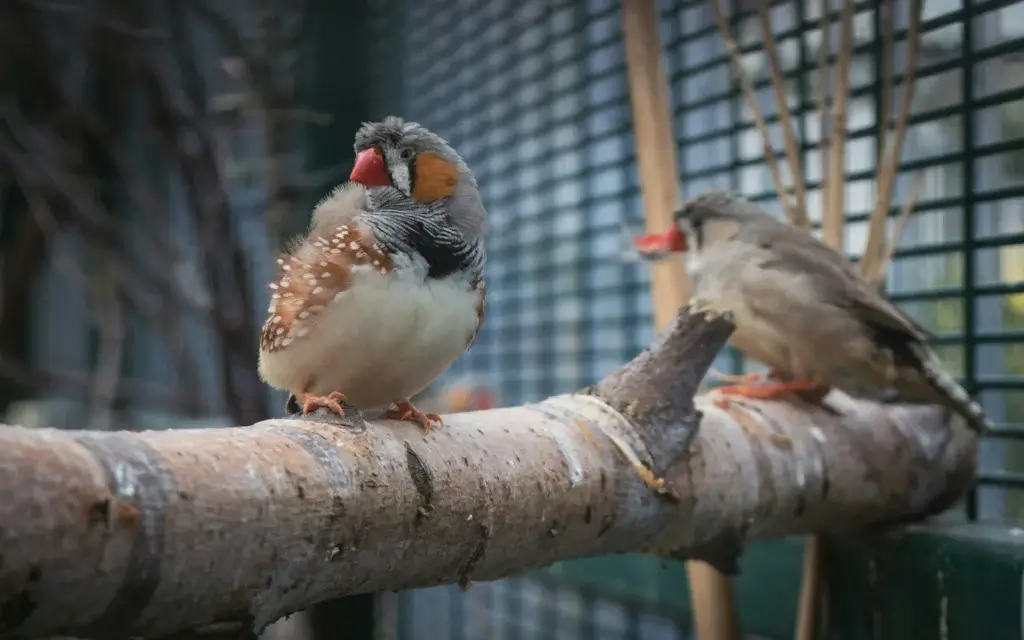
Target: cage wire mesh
(534, 95)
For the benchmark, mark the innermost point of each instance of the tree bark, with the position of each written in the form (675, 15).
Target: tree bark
(152, 533)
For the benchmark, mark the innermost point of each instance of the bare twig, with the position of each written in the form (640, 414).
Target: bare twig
(823, 92)
(269, 58)
(273, 92)
(224, 262)
(356, 508)
(69, 151)
(21, 261)
(109, 320)
(870, 263)
(799, 213)
(45, 166)
(901, 223)
(834, 214)
(89, 18)
(887, 36)
(80, 383)
(750, 95)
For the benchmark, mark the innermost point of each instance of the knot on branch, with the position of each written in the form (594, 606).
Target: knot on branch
(655, 390)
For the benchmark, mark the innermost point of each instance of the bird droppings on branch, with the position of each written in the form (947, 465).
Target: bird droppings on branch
(224, 533)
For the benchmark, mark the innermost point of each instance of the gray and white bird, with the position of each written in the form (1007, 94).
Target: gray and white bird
(801, 308)
(387, 290)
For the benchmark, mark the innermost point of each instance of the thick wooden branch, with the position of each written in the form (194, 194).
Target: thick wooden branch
(145, 534)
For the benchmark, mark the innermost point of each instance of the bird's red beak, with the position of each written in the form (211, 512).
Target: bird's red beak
(369, 169)
(655, 244)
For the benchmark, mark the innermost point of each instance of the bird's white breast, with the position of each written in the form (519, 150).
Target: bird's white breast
(385, 339)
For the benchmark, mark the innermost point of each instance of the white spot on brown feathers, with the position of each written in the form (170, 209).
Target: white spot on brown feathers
(295, 307)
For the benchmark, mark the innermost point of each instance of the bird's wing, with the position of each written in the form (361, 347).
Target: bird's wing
(312, 274)
(834, 278)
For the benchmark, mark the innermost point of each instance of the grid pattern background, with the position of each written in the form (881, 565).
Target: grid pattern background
(527, 608)
(534, 95)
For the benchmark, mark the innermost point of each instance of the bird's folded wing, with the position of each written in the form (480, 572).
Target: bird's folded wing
(835, 280)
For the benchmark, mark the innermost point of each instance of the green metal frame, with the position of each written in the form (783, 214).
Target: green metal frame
(956, 580)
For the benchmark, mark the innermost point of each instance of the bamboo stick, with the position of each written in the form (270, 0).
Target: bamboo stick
(823, 85)
(711, 592)
(871, 266)
(833, 216)
(799, 216)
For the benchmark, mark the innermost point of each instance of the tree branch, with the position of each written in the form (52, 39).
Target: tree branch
(145, 534)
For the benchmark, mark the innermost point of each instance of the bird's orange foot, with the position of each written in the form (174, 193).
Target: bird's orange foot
(772, 390)
(332, 402)
(745, 378)
(735, 379)
(404, 410)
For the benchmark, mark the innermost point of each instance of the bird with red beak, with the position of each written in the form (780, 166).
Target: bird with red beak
(800, 307)
(387, 290)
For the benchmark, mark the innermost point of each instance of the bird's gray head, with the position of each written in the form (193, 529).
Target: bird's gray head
(715, 217)
(703, 222)
(422, 166)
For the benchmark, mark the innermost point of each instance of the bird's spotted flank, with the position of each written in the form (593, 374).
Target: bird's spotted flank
(309, 280)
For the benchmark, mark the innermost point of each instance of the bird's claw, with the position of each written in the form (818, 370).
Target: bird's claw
(773, 390)
(332, 402)
(406, 412)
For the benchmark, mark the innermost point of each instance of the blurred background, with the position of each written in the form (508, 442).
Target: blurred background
(155, 154)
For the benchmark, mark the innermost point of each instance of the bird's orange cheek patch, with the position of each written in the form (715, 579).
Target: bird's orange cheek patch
(435, 178)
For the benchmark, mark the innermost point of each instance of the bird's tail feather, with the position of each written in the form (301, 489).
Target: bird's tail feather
(954, 396)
